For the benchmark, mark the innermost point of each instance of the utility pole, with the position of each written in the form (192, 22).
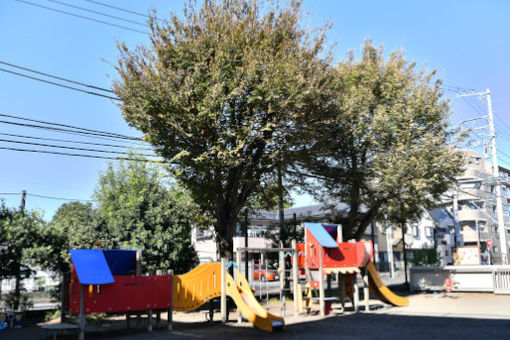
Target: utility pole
(23, 197)
(458, 236)
(495, 173)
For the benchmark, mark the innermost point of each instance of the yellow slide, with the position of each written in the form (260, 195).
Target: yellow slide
(193, 289)
(249, 307)
(379, 290)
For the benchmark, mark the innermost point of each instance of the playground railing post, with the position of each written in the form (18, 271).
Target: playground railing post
(237, 272)
(267, 284)
(260, 279)
(82, 320)
(341, 280)
(138, 262)
(322, 305)
(365, 290)
(295, 276)
(170, 310)
(282, 280)
(355, 294)
(223, 307)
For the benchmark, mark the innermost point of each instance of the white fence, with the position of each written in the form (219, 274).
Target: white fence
(494, 279)
(501, 280)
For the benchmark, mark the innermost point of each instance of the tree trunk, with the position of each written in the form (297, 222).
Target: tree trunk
(17, 287)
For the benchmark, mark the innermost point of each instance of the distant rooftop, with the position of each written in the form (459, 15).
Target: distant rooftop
(316, 211)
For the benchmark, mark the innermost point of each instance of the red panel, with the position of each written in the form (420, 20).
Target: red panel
(127, 293)
(346, 255)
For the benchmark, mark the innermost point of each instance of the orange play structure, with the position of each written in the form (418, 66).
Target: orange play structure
(193, 289)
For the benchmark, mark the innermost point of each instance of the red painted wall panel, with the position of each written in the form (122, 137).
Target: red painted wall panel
(127, 293)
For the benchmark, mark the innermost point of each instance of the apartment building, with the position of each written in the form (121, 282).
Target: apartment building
(476, 196)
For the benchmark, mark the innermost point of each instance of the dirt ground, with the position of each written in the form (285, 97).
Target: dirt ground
(459, 315)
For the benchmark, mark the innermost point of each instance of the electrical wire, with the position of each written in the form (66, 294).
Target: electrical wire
(122, 9)
(57, 84)
(83, 155)
(70, 141)
(71, 147)
(98, 13)
(110, 134)
(56, 77)
(502, 123)
(56, 129)
(58, 198)
(82, 17)
(79, 133)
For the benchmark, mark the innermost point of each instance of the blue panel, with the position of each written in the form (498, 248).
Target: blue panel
(91, 266)
(321, 235)
(121, 261)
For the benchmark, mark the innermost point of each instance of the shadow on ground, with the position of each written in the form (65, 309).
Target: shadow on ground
(366, 326)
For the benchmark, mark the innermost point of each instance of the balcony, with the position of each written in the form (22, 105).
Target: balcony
(471, 215)
(471, 194)
(470, 235)
(473, 173)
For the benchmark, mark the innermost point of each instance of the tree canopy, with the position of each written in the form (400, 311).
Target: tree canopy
(217, 94)
(75, 225)
(384, 146)
(139, 209)
(19, 233)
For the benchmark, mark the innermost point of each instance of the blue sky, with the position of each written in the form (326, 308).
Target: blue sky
(466, 41)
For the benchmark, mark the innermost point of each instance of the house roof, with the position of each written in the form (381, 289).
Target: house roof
(310, 211)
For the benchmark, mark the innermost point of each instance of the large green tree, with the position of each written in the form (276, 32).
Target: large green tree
(142, 210)
(217, 94)
(384, 147)
(19, 233)
(75, 225)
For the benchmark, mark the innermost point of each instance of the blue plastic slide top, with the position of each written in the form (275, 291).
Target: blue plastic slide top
(321, 235)
(91, 266)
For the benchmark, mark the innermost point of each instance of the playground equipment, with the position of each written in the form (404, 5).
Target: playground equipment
(204, 283)
(323, 252)
(110, 281)
(282, 271)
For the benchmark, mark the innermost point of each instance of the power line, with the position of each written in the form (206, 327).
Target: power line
(82, 17)
(58, 198)
(69, 147)
(70, 141)
(501, 122)
(96, 12)
(57, 84)
(55, 77)
(56, 129)
(83, 155)
(122, 9)
(10, 193)
(80, 133)
(109, 134)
